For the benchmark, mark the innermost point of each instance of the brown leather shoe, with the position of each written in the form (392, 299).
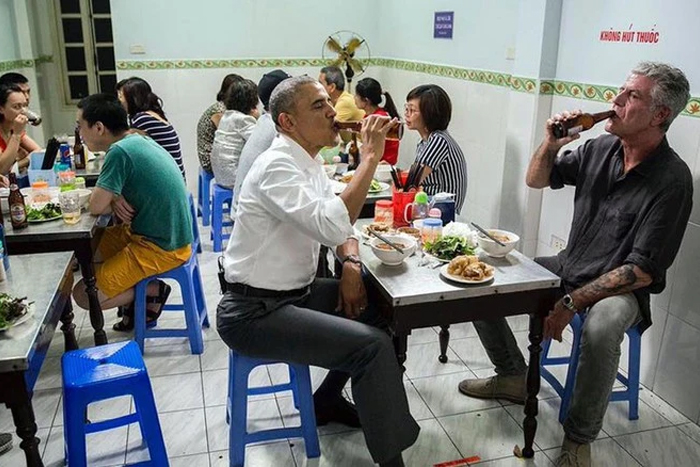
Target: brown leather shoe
(511, 388)
(574, 454)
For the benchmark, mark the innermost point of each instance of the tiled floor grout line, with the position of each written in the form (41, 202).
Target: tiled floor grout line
(628, 452)
(204, 408)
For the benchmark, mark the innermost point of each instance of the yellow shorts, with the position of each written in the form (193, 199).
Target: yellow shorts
(129, 258)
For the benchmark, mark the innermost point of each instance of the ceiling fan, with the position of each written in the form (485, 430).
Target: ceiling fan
(347, 50)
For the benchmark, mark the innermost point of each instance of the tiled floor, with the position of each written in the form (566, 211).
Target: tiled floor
(190, 395)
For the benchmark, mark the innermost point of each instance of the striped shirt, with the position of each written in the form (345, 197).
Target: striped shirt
(162, 133)
(441, 153)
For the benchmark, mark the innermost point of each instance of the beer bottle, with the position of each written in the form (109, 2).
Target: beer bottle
(395, 132)
(354, 153)
(78, 151)
(18, 211)
(579, 123)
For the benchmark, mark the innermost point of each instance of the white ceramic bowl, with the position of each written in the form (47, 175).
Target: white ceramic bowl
(390, 256)
(329, 169)
(383, 173)
(341, 168)
(84, 196)
(494, 249)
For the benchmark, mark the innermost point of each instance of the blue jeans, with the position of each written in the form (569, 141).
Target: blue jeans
(603, 332)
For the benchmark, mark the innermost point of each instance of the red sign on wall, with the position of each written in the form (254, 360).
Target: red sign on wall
(630, 36)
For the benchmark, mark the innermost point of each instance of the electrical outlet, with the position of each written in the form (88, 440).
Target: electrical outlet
(557, 243)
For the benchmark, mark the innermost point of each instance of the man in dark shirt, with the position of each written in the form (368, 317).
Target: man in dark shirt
(632, 204)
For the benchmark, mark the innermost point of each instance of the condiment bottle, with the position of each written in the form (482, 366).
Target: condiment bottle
(582, 122)
(384, 212)
(435, 213)
(395, 132)
(431, 230)
(18, 210)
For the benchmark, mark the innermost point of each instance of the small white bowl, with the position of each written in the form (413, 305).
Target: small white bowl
(383, 173)
(329, 169)
(84, 196)
(494, 249)
(390, 256)
(341, 168)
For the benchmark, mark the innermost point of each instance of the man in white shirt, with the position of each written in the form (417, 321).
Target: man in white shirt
(275, 308)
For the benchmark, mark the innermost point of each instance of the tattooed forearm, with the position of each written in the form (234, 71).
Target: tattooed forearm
(624, 279)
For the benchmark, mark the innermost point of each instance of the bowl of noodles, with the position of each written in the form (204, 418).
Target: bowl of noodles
(492, 248)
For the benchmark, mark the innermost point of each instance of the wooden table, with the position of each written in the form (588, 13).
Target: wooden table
(419, 297)
(47, 280)
(81, 238)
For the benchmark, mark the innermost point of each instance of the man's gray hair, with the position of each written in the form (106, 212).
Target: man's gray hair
(283, 100)
(334, 76)
(671, 88)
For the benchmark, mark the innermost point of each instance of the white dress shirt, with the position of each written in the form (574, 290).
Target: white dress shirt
(286, 210)
(234, 130)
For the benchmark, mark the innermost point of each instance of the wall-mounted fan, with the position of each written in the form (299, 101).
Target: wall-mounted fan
(348, 51)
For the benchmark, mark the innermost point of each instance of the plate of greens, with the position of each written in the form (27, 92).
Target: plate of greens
(447, 248)
(13, 311)
(48, 212)
(377, 187)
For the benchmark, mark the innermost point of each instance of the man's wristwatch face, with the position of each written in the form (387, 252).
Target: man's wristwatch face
(568, 302)
(352, 259)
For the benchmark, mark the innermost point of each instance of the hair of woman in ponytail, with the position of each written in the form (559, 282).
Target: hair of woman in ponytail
(370, 89)
(140, 97)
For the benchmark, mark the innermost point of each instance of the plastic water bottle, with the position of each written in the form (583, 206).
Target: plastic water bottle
(3, 274)
(420, 206)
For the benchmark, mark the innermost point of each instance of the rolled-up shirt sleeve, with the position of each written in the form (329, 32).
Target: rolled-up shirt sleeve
(660, 235)
(567, 166)
(291, 198)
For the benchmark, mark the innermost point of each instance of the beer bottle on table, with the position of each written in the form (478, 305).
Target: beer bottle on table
(579, 123)
(18, 210)
(354, 153)
(78, 151)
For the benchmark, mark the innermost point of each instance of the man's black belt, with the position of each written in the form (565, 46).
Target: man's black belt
(250, 291)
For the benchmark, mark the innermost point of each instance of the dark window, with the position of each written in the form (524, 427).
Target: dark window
(108, 83)
(100, 6)
(78, 87)
(70, 6)
(103, 30)
(75, 59)
(72, 30)
(105, 59)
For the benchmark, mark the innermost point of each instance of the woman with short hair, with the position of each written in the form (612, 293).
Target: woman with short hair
(428, 110)
(146, 116)
(235, 128)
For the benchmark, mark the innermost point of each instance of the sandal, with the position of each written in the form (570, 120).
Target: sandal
(127, 322)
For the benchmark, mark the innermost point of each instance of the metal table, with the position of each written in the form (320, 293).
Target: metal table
(47, 280)
(92, 170)
(81, 238)
(418, 297)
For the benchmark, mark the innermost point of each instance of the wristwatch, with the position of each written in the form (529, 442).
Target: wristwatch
(353, 259)
(568, 302)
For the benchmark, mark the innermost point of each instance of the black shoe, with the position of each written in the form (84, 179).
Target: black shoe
(336, 409)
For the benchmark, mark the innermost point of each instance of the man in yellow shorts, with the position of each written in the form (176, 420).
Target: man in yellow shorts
(142, 185)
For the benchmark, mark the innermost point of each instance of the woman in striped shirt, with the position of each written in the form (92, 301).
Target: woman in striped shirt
(146, 116)
(428, 110)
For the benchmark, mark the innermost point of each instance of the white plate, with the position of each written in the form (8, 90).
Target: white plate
(20, 320)
(39, 221)
(337, 186)
(462, 280)
(383, 187)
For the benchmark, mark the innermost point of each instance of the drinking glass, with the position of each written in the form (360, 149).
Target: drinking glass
(70, 206)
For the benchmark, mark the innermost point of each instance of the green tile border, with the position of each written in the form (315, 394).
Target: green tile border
(591, 92)
(24, 63)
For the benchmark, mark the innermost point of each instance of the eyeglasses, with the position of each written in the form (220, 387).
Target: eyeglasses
(409, 110)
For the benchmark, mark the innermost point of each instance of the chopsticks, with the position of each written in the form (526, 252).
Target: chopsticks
(488, 234)
(395, 177)
(415, 173)
(385, 240)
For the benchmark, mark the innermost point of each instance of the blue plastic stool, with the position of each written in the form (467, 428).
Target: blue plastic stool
(222, 197)
(193, 304)
(196, 241)
(237, 406)
(101, 373)
(630, 394)
(204, 195)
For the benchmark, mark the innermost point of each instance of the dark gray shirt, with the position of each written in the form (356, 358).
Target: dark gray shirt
(634, 218)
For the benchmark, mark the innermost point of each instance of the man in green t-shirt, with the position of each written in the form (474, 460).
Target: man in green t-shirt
(142, 185)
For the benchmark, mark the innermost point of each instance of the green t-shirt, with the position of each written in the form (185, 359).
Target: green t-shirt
(148, 178)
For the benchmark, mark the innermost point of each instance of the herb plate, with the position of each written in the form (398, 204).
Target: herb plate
(20, 320)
